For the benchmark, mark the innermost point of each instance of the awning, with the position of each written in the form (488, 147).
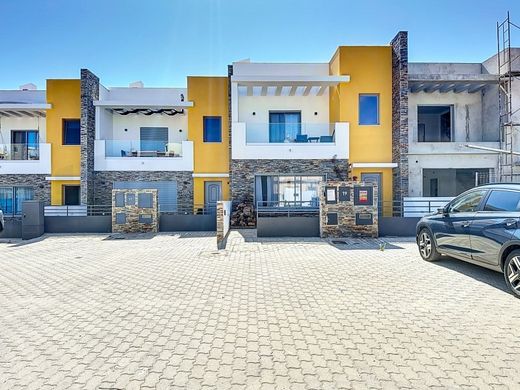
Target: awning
(144, 108)
(286, 85)
(456, 83)
(15, 109)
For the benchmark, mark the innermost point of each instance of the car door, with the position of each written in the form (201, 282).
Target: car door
(451, 230)
(494, 225)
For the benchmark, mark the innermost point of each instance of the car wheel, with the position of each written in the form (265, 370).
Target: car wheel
(427, 247)
(512, 272)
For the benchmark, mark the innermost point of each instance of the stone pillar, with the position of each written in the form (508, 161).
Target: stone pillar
(400, 116)
(89, 93)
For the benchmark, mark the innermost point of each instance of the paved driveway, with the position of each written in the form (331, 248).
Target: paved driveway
(170, 311)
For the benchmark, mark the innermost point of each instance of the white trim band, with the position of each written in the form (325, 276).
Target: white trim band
(374, 165)
(62, 178)
(210, 175)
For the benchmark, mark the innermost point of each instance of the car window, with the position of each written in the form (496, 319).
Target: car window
(467, 203)
(503, 201)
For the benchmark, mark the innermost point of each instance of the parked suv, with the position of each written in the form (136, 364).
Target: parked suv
(480, 226)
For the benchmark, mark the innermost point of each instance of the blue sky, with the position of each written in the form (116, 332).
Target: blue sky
(162, 41)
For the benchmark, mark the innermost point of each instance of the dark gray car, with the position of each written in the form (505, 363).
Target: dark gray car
(480, 226)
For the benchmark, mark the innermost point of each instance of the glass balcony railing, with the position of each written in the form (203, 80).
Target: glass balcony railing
(142, 148)
(300, 133)
(19, 152)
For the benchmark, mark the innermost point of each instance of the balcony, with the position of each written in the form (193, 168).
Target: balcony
(25, 159)
(137, 155)
(430, 148)
(252, 141)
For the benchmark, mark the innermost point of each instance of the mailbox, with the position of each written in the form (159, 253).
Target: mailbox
(364, 219)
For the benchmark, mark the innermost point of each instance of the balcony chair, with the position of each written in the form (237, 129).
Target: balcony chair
(173, 150)
(302, 138)
(326, 138)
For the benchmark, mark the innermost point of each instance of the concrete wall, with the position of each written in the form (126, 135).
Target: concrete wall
(459, 101)
(85, 224)
(180, 222)
(398, 226)
(288, 226)
(21, 123)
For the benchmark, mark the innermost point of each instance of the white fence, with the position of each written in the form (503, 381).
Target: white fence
(419, 207)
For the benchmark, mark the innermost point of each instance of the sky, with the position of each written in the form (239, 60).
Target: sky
(162, 41)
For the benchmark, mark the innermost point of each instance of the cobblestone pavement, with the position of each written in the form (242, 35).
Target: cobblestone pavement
(170, 311)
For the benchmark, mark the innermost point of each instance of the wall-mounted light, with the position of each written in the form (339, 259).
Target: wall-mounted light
(315, 113)
(254, 113)
(180, 130)
(126, 129)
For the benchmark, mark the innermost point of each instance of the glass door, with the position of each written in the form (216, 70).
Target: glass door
(24, 145)
(284, 126)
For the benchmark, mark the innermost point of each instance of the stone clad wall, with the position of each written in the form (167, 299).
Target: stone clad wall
(103, 183)
(89, 93)
(42, 187)
(346, 211)
(400, 114)
(132, 212)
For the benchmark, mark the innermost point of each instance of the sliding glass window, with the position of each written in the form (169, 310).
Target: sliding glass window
(287, 191)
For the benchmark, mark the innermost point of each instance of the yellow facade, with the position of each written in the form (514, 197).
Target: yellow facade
(211, 159)
(65, 99)
(370, 71)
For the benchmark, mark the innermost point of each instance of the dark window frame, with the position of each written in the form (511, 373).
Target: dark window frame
(64, 121)
(378, 112)
(204, 129)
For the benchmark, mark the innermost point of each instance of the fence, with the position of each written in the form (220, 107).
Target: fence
(78, 211)
(414, 206)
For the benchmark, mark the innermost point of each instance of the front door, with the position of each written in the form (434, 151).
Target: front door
(24, 145)
(71, 195)
(375, 178)
(212, 194)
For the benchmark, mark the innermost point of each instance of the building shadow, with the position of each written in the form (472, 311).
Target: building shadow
(18, 242)
(484, 275)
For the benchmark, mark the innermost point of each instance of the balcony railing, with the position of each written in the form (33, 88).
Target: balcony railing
(141, 148)
(19, 152)
(302, 133)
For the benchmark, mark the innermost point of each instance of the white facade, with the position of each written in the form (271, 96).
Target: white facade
(259, 89)
(120, 115)
(23, 110)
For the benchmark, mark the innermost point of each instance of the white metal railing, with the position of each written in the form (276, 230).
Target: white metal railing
(77, 211)
(421, 206)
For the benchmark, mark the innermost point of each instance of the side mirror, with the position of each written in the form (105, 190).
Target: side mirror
(443, 211)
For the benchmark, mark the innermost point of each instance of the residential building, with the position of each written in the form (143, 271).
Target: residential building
(451, 107)
(296, 124)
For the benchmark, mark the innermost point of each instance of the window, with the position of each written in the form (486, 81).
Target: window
(290, 191)
(71, 195)
(467, 203)
(503, 201)
(71, 132)
(25, 145)
(434, 123)
(153, 139)
(284, 126)
(212, 127)
(368, 109)
(11, 199)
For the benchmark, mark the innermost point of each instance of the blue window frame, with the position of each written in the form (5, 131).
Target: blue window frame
(11, 199)
(71, 132)
(212, 127)
(369, 109)
(284, 126)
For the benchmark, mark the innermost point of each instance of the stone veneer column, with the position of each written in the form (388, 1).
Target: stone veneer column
(89, 93)
(400, 115)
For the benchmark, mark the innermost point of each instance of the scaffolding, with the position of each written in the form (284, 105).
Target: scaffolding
(509, 167)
